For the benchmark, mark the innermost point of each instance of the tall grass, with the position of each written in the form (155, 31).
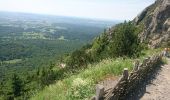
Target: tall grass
(81, 86)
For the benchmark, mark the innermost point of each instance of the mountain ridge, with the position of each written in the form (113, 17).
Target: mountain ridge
(155, 21)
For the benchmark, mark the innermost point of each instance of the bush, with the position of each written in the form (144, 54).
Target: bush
(125, 40)
(120, 41)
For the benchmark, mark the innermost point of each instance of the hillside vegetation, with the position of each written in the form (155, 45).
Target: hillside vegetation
(108, 56)
(122, 40)
(81, 86)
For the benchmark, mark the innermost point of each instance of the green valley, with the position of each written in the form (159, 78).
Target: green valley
(31, 44)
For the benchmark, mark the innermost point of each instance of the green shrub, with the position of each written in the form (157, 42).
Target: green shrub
(121, 41)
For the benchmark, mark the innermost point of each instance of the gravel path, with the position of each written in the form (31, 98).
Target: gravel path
(159, 89)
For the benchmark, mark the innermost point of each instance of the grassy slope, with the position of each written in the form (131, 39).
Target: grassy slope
(81, 86)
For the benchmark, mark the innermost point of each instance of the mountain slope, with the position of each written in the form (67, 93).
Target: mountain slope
(152, 26)
(155, 21)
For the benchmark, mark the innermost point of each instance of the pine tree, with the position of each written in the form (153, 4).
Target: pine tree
(17, 85)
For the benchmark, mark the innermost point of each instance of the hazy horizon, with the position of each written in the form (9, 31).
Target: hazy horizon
(96, 9)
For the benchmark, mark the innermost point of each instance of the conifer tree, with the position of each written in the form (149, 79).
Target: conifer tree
(17, 85)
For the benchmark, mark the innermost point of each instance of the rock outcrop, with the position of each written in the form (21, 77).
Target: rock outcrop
(155, 21)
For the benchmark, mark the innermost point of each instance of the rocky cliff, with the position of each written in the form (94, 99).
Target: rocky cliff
(155, 21)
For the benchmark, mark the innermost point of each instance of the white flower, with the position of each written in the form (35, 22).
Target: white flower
(79, 82)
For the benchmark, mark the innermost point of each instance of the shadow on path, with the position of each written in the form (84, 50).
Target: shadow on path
(141, 90)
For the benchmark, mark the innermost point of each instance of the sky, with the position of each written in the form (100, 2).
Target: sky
(96, 9)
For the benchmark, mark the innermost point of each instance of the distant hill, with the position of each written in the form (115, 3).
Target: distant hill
(57, 19)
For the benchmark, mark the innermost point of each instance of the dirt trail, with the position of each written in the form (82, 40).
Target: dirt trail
(159, 89)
